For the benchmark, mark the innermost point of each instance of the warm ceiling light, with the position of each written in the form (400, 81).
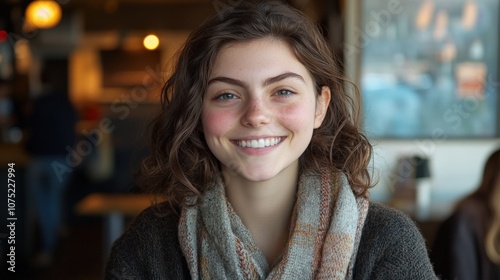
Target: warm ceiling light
(43, 14)
(151, 42)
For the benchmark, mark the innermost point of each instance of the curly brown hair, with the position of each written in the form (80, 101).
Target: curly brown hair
(181, 165)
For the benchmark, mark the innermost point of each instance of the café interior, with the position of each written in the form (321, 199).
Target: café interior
(426, 70)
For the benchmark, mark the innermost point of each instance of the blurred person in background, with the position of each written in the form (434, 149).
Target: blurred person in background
(468, 242)
(50, 132)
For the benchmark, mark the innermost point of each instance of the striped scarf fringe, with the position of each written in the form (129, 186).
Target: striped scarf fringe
(325, 233)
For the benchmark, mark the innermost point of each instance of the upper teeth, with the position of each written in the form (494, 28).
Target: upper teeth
(259, 143)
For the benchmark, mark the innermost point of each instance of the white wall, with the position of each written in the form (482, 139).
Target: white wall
(456, 167)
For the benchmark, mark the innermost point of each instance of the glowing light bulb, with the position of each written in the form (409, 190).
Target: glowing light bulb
(151, 42)
(43, 14)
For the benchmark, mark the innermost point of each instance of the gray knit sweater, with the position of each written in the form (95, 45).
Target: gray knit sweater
(391, 247)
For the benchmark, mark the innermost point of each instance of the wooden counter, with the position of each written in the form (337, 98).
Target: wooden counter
(114, 208)
(102, 204)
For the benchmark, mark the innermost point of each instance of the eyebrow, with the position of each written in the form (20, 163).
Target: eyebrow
(267, 82)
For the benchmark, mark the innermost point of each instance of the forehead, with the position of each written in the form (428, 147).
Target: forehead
(266, 56)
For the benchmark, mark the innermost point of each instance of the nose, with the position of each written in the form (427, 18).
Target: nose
(256, 113)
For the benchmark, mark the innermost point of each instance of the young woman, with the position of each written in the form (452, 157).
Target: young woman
(468, 242)
(258, 156)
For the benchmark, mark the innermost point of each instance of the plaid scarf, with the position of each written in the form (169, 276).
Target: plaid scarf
(324, 235)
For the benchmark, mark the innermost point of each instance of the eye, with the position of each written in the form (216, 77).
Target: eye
(225, 96)
(284, 92)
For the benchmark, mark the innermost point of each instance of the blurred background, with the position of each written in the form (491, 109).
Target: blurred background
(80, 81)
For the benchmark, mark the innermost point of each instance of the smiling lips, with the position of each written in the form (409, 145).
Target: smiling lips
(259, 143)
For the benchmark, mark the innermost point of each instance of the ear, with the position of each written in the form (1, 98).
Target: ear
(322, 103)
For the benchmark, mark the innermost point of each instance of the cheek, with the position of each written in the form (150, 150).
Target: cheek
(298, 116)
(216, 123)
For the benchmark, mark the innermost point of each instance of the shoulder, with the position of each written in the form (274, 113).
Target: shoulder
(383, 219)
(386, 227)
(155, 225)
(391, 247)
(470, 209)
(158, 217)
(148, 248)
(468, 219)
(466, 223)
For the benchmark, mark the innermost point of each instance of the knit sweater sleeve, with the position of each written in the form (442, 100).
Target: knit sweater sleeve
(391, 247)
(149, 249)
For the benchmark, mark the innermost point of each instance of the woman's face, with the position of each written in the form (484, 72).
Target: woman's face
(260, 109)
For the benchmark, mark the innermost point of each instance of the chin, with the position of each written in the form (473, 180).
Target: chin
(259, 176)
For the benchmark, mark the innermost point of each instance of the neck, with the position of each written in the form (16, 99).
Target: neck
(265, 208)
